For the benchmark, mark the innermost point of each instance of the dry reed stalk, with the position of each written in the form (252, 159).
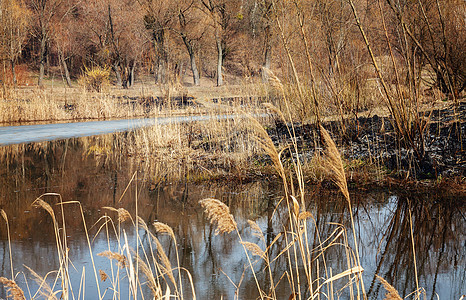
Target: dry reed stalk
(163, 228)
(16, 293)
(219, 213)
(392, 293)
(337, 173)
(152, 282)
(122, 261)
(5, 217)
(44, 288)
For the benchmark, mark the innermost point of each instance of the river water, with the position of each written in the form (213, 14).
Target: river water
(10, 135)
(216, 262)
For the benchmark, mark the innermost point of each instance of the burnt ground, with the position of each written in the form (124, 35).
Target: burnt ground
(440, 153)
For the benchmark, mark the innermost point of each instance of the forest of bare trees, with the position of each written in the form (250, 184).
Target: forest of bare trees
(323, 46)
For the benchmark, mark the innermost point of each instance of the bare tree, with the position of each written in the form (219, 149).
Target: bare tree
(191, 30)
(13, 21)
(159, 18)
(44, 13)
(222, 14)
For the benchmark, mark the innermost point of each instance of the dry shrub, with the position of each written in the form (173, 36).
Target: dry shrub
(95, 78)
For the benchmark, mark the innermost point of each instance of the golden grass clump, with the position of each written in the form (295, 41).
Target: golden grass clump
(392, 293)
(16, 293)
(120, 258)
(218, 212)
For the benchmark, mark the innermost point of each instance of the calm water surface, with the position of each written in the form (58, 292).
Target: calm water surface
(97, 181)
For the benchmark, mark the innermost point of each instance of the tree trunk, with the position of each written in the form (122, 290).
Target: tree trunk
(219, 62)
(131, 74)
(13, 71)
(196, 78)
(47, 60)
(41, 61)
(65, 68)
(267, 54)
(192, 59)
(119, 82)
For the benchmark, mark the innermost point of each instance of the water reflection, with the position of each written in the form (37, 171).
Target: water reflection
(99, 178)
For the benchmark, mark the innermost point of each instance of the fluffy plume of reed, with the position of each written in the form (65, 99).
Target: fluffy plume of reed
(334, 163)
(41, 203)
(123, 214)
(219, 213)
(266, 143)
(163, 228)
(103, 275)
(392, 293)
(16, 293)
(254, 249)
(304, 215)
(166, 265)
(122, 261)
(256, 230)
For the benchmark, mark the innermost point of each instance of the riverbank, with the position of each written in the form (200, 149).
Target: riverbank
(25, 105)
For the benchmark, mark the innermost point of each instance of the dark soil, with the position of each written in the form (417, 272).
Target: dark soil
(440, 152)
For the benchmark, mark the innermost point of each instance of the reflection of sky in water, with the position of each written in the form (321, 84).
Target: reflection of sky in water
(207, 255)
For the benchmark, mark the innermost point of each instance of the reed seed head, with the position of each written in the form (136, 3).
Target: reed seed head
(120, 258)
(219, 213)
(166, 265)
(304, 215)
(103, 275)
(254, 249)
(256, 230)
(4, 216)
(16, 293)
(163, 228)
(334, 163)
(392, 293)
(44, 205)
(123, 214)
